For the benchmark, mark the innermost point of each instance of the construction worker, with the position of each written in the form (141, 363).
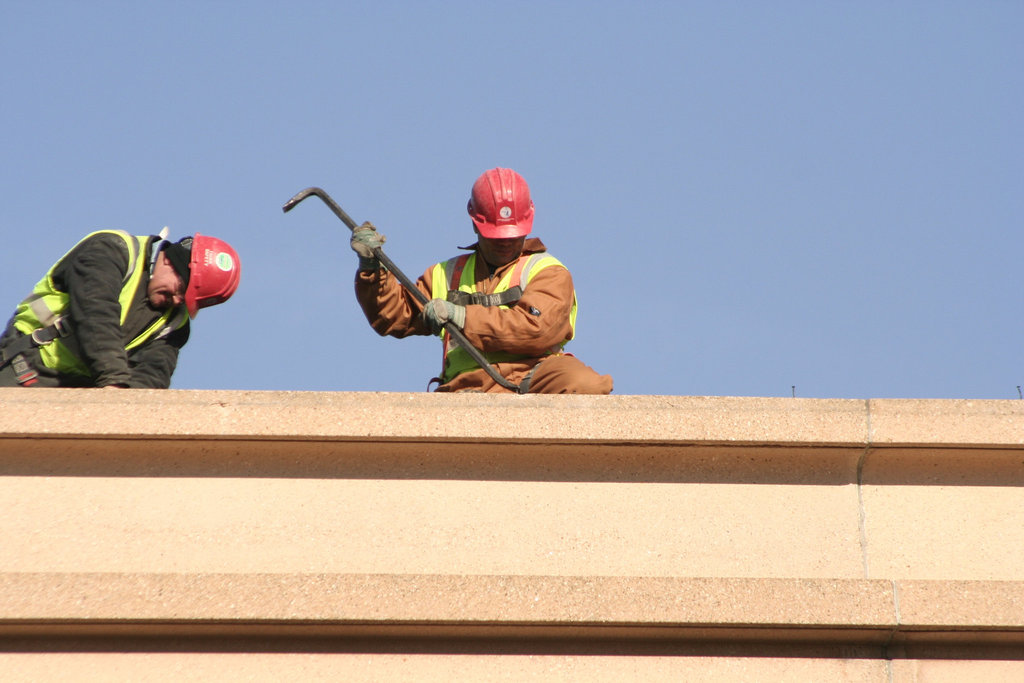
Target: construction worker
(513, 300)
(114, 311)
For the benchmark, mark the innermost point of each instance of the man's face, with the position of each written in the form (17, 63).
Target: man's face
(500, 252)
(166, 288)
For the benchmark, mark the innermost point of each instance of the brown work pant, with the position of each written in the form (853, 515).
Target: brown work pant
(560, 374)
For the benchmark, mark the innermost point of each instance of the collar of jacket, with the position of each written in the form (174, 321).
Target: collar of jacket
(532, 245)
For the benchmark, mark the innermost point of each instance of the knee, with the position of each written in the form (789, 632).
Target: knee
(592, 383)
(568, 375)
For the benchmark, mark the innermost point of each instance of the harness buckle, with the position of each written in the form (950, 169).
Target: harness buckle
(45, 335)
(24, 373)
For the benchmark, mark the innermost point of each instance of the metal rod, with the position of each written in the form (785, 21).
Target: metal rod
(456, 334)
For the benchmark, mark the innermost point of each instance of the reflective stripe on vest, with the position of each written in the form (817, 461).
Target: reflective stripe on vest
(46, 303)
(463, 268)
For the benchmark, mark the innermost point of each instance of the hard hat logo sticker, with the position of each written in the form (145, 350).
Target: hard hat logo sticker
(224, 261)
(505, 211)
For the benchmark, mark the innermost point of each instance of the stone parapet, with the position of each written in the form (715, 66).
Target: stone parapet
(616, 527)
(349, 416)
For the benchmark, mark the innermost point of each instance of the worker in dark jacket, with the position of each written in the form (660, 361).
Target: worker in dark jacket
(114, 311)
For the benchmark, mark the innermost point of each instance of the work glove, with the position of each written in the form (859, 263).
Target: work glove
(437, 312)
(365, 239)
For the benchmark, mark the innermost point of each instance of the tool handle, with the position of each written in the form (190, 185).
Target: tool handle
(331, 204)
(453, 330)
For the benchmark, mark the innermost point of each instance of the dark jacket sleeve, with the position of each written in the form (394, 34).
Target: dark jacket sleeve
(92, 275)
(152, 364)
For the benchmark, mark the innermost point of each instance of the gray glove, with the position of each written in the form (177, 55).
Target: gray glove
(437, 312)
(365, 239)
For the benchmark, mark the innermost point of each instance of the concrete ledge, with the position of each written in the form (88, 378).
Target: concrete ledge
(440, 599)
(946, 423)
(73, 413)
(423, 416)
(985, 616)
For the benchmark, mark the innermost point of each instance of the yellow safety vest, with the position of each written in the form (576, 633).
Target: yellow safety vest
(46, 304)
(458, 275)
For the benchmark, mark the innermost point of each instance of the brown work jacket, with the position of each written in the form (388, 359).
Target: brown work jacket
(531, 326)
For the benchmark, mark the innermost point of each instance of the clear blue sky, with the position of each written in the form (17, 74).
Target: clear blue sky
(750, 196)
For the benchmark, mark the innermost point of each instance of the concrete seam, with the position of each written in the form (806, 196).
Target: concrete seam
(862, 515)
(861, 511)
(898, 620)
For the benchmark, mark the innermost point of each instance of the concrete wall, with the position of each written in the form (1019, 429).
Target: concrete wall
(270, 535)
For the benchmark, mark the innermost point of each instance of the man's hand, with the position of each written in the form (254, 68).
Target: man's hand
(364, 240)
(437, 312)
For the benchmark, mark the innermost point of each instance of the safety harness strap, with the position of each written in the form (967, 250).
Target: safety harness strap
(453, 274)
(39, 337)
(509, 296)
(14, 350)
(456, 272)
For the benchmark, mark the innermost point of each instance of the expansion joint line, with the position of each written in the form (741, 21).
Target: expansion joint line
(886, 654)
(861, 512)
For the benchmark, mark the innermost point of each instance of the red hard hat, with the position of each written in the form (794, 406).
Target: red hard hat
(214, 271)
(500, 205)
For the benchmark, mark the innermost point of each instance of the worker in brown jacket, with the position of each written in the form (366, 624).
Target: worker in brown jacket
(512, 300)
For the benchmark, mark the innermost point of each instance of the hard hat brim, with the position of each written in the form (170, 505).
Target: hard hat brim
(503, 231)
